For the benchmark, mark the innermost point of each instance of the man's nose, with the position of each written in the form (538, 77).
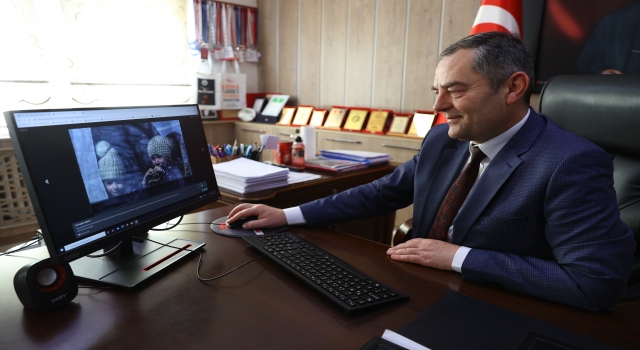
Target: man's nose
(442, 102)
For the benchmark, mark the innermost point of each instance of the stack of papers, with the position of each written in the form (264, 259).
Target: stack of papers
(243, 175)
(368, 158)
(333, 165)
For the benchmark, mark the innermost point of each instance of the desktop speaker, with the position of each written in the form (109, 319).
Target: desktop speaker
(45, 286)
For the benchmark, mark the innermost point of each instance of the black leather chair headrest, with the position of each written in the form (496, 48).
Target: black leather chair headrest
(602, 108)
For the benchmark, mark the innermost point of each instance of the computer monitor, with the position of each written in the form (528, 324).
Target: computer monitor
(98, 177)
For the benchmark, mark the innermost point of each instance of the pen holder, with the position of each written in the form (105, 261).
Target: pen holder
(218, 160)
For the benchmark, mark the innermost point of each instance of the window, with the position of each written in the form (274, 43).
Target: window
(61, 54)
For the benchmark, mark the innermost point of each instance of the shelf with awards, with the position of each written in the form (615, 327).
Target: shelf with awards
(302, 115)
(356, 119)
(318, 116)
(336, 118)
(272, 112)
(421, 123)
(286, 116)
(378, 122)
(400, 124)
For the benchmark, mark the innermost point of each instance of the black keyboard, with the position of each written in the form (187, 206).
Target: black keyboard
(335, 279)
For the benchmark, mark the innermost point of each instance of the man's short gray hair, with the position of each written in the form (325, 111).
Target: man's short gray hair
(497, 56)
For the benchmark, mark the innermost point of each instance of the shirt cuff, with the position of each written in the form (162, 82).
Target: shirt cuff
(294, 216)
(458, 259)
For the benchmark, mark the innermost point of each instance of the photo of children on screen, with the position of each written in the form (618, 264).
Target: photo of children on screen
(128, 163)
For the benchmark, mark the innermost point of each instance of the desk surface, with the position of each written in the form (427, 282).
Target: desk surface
(261, 305)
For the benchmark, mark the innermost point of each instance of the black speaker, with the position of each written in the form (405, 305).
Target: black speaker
(45, 286)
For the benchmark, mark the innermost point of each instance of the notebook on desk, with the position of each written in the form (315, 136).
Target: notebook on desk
(457, 321)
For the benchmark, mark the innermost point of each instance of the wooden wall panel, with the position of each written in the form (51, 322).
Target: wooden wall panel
(334, 30)
(267, 69)
(362, 15)
(310, 51)
(368, 53)
(458, 17)
(389, 54)
(288, 48)
(422, 53)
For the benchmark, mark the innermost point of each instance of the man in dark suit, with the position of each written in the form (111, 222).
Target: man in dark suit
(541, 218)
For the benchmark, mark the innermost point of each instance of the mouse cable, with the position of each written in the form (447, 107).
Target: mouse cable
(157, 229)
(36, 239)
(105, 253)
(200, 261)
(168, 228)
(118, 245)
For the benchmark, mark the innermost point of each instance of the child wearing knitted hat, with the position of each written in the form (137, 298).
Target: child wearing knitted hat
(160, 150)
(111, 168)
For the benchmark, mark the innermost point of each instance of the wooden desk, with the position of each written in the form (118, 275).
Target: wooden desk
(262, 306)
(379, 229)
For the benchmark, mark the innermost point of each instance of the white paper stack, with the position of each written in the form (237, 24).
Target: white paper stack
(244, 175)
(369, 158)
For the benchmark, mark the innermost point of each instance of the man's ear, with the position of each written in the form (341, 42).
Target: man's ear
(517, 85)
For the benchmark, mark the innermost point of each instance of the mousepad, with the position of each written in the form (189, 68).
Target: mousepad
(220, 227)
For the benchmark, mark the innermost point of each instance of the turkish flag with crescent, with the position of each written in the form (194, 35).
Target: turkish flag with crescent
(499, 15)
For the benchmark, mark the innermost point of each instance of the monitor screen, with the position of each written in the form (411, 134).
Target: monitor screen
(98, 176)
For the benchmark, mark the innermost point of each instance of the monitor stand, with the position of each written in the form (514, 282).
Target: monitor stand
(134, 261)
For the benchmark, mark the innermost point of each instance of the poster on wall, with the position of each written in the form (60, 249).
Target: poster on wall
(234, 91)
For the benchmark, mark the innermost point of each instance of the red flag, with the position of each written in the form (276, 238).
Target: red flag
(499, 15)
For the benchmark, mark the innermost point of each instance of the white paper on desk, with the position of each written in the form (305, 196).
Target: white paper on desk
(402, 341)
(270, 141)
(248, 169)
(301, 177)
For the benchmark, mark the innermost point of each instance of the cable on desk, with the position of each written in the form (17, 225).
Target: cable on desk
(118, 245)
(107, 252)
(168, 228)
(200, 261)
(37, 238)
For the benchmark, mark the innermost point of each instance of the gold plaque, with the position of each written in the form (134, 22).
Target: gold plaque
(317, 117)
(335, 118)
(356, 118)
(302, 115)
(377, 121)
(286, 116)
(421, 123)
(399, 124)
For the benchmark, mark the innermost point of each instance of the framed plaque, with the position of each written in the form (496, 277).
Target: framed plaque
(317, 117)
(302, 115)
(377, 122)
(421, 123)
(287, 115)
(355, 120)
(400, 124)
(336, 117)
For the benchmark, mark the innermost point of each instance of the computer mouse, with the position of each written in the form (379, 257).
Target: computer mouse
(239, 223)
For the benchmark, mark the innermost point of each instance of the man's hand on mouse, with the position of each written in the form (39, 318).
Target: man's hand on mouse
(268, 217)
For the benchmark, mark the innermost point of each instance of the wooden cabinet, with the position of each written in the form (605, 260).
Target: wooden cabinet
(330, 140)
(219, 132)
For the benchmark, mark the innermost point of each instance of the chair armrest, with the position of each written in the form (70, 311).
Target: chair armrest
(403, 232)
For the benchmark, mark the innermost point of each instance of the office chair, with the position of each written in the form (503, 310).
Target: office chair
(605, 109)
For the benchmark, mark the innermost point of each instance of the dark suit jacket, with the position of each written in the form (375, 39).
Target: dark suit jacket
(542, 219)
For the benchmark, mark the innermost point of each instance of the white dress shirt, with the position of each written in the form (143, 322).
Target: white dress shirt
(490, 148)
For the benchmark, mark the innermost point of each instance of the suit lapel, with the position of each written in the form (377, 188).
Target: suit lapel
(496, 174)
